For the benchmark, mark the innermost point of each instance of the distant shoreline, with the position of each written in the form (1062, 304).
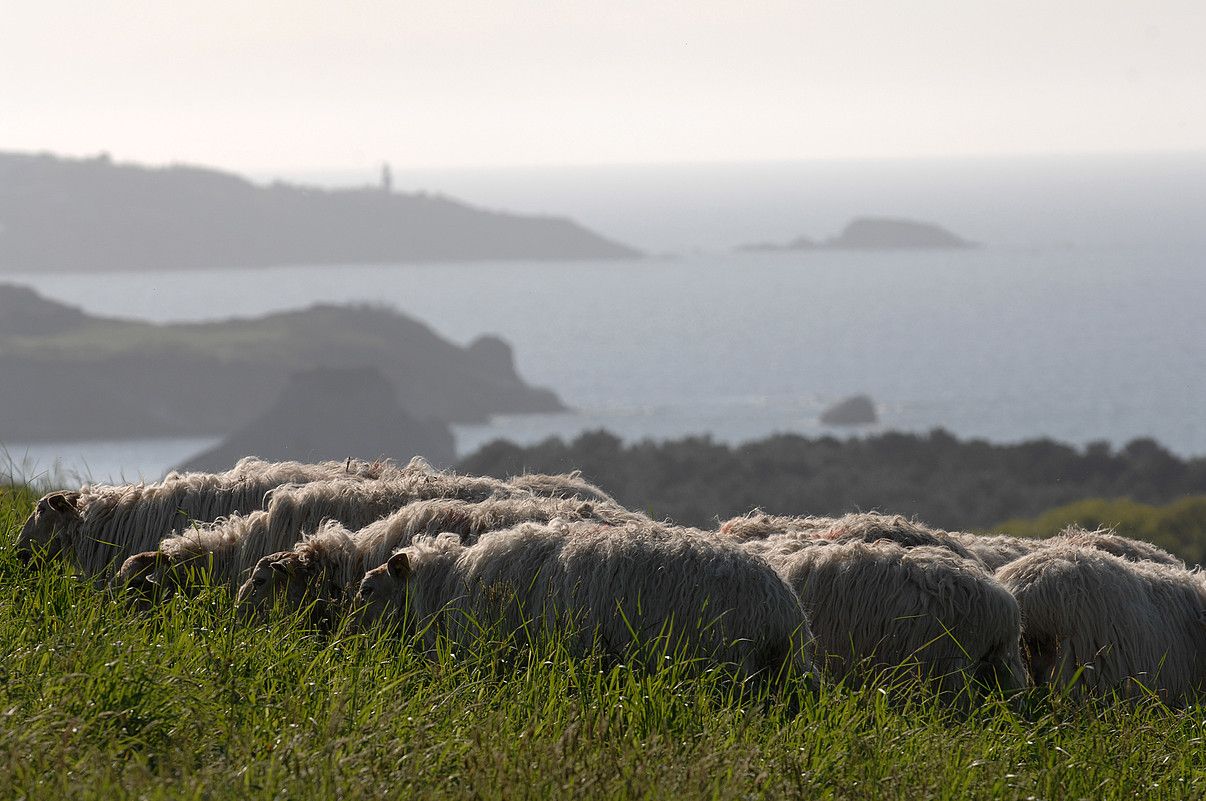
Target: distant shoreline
(95, 215)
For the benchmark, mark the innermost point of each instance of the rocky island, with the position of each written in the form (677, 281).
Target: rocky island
(94, 215)
(874, 233)
(858, 410)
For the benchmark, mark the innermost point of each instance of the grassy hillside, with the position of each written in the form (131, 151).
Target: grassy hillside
(99, 702)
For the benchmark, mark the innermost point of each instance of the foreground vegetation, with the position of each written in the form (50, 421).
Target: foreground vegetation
(97, 701)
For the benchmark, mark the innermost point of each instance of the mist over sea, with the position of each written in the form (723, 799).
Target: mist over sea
(1079, 319)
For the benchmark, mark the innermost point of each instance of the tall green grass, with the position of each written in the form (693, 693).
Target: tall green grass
(187, 702)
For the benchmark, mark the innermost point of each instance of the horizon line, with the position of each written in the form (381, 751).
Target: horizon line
(373, 167)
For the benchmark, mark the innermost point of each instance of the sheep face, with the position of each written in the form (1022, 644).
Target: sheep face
(142, 578)
(1003, 669)
(382, 594)
(1042, 656)
(277, 578)
(40, 534)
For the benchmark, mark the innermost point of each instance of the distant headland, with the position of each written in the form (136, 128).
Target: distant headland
(69, 375)
(95, 215)
(874, 233)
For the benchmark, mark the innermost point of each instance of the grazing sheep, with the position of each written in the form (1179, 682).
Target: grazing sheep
(236, 543)
(98, 526)
(759, 526)
(328, 566)
(207, 553)
(998, 550)
(1111, 542)
(568, 485)
(1099, 624)
(227, 550)
(873, 527)
(878, 606)
(640, 590)
(765, 534)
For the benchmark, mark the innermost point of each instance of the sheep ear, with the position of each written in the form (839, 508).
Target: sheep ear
(283, 565)
(64, 503)
(398, 566)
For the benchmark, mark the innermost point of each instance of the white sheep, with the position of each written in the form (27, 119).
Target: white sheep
(567, 485)
(99, 526)
(640, 590)
(227, 549)
(1100, 624)
(230, 546)
(766, 534)
(327, 567)
(998, 550)
(758, 525)
(1110, 541)
(922, 611)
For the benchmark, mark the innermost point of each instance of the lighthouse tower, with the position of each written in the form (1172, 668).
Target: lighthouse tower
(387, 178)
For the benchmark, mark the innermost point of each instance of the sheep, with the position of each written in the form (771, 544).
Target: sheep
(765, 534)
(924, 611)
(569, 485)
(328, 566)
(1097, 624)
(236, 543)
(872, 527)
(627, 590)
(759, 526)
(232, 547)
(1104, 539)
(289, 472)
(99, 525)
(999, 550)
(205, 553)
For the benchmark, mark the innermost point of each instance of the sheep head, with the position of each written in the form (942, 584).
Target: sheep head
(142, 578)
(1043, 652)
(282, 577)
(41, 534)
(383, 590)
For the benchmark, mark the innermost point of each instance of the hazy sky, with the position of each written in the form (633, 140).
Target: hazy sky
(305, 84)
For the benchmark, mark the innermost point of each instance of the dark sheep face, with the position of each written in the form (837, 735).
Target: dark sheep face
(142, 579)
(278, 578)
(382, 593)
(40, 535)
(1042, 657)
(1002, 670)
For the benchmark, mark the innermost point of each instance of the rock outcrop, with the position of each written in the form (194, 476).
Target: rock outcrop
(333, 413)
(873, 233)
(855, 411)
